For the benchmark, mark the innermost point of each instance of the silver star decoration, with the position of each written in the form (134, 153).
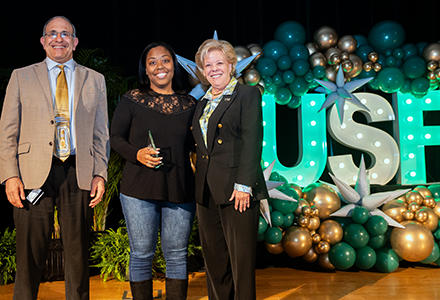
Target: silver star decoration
(273, 193)
(360, 196)
(340, 92)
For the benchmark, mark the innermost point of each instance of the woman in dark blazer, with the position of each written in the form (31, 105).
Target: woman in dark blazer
(227, 128)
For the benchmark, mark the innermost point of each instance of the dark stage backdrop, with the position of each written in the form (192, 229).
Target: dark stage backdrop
(124, 28)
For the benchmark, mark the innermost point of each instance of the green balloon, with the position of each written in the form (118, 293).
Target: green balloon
(277, 79)
(414, 67)
(356, 235)
(365, 74)
(376, 225)
(284, 206)
(288, 220)
(386, 35)
(433, 257)
(343, 221)
(387, 260)
(365, 258)
(290, 33)
(266, 67)
(262, 225)
(299, 87)
(273, 235)
(377, 241)
(300, 67)
(309, 76)
(284, 62)
(274, 176)
(390, 80)
(435, 190)
(268, 80)
(373, 84)
(363, 51)
(299, 52)
(406, 87)
(288, 76)
(319, 72)
(271, 88)
(388, 53)
(420, 85)
(260, 237)
(283, 96)
(295, 102)
(360, 214)
(276, 217)
(410, 50)
(274, 50)
(399, 53)
(342, 256)
(391, 61)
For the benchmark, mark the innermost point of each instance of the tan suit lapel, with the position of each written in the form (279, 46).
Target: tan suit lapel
(43, 78)
(80, 78)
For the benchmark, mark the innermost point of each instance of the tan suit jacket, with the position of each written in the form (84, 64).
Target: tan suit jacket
(27, 127)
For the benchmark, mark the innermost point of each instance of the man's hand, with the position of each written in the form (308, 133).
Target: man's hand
(242, 200)
(97, 191)
(15, 191)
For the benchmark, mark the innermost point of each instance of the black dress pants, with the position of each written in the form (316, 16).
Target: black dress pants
(35, 224)
(229, 242)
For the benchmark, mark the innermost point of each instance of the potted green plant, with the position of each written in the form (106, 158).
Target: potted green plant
(8, 265)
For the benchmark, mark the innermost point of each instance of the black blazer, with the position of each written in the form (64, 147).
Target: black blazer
(235, 136)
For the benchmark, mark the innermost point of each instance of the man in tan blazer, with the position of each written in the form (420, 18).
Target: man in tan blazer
(27, 161)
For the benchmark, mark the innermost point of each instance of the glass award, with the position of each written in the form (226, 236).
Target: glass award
(152, 145)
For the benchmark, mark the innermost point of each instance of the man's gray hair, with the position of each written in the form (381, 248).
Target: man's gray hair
(64, 18)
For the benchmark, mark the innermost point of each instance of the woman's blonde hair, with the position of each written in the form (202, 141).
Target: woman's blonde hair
(212, 44)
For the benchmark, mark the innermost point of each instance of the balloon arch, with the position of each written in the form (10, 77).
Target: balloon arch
(336, 225)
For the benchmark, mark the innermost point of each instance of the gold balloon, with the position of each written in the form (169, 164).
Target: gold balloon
(357, 66)
(242, 52)
(314, 223)
(331, 231)
(408, 214)
(323, 247)
(432, 65)
(296, 241)
(431, 76)
(330, 74)
(421, 215)
(297, 189)
(347, 43)
(303, 221)
(368, 66)
(317, 59)
(414, 243)
(251, 77)
(332, 51)
(335, 59)
(394, 209)
(377, 67)
(437, 208)
(306, 211)
(437, 73)
(414, 206)
(274, 248)
(345, 56)
(311, 48)
(316, 238)
(413, 196)
(429, 202)
(324, 262)
(255, 48)
(347, 65)
(301, 204)
(431, 52)
(432, 221)
(323, 197)
(424, 191)
(315, 211)
(373, 57)
(310, 256)
(325, 37)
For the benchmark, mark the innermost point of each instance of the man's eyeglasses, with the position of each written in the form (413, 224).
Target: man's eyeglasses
(63, 34)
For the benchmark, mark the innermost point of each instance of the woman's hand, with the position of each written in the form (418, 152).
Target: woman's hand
(145, 156)
(242, 200)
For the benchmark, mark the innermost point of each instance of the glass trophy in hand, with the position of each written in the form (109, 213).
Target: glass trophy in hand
(152, 145)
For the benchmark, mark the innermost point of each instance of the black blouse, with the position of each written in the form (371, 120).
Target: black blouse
(169, 119)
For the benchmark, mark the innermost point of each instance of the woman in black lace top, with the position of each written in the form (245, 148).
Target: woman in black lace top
(156, 191)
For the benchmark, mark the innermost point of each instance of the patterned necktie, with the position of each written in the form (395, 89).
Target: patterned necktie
(62, 119)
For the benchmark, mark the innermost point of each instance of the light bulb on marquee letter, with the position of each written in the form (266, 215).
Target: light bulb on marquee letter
(378, 144)
(311, 135)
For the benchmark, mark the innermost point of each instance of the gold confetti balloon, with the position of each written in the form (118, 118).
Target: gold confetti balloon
(414, 243)
(323, 197)
(296, 241)
(331, 231)
(394, 209)
(274, 248)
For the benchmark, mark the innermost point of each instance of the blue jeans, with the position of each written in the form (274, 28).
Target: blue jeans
(143, 218)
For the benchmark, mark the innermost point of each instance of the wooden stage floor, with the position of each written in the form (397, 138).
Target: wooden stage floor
(410, 282)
